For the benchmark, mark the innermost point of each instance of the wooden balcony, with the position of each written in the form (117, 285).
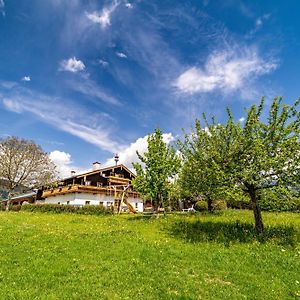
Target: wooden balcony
(118, 180)
(77, 188)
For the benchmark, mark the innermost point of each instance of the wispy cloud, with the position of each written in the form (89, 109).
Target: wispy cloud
(259, 22)
(71, 65)
(121, 54)
(103, 62)
(2, 8)
(224, 71)
(68, 117)
(26, 78)
(90, 88)
(103, 18)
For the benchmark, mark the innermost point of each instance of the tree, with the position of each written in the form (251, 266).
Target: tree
(158, 166)
(257, 156)
(201, 174)
(24, 163)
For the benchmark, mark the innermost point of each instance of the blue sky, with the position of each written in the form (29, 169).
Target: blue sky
(87, 79)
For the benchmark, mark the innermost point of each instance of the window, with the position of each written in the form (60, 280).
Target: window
(101, 203)
(136, 205)
(88, 183)
(68, 202)
(58, 202)
(87, 202)
(99, 183)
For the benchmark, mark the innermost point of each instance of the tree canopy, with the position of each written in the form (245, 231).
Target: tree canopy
(260, 155)
(156, 168)
(201, 174)
(23, 162)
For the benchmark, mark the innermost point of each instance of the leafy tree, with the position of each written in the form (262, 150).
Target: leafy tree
(24, 163)
(158, 166)
(258, 156)
(201, 174)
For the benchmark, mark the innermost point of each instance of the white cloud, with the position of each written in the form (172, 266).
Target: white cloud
(121, 54)
(241, 120)
(72, 65)
(63, 162)
(26, 78)
(103, 18)
(129, 5)
(103, 63)
(127, 155)
(225, 71)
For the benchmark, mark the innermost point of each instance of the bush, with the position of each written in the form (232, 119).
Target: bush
(15, 207)
(59, 208)
(219, 205)
(11, 207)
(201, 206)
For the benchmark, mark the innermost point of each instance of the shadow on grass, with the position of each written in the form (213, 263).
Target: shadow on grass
(227, 233)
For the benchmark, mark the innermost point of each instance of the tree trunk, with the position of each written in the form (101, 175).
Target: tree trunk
(156, 204)
(209, 204)
(259, 226)
(8, 201)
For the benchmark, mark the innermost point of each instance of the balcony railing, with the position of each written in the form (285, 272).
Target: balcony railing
(78, 188)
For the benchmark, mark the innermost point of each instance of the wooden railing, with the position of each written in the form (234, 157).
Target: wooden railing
(77, 188)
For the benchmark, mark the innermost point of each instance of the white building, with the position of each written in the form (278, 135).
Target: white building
(101, 186)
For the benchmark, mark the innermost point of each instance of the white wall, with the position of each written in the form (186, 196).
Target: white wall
(95, 199)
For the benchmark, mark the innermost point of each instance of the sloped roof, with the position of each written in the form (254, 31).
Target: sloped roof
(102, 170)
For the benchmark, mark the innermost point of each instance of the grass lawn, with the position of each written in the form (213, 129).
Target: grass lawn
(48, 256)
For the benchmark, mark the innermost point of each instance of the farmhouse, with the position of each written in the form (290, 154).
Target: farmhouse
(101, 186)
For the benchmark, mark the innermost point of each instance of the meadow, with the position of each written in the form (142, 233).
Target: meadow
(180, 256)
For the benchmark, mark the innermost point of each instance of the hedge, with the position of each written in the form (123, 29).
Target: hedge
(59, 208)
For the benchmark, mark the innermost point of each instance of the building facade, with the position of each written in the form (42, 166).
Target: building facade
(101, 186)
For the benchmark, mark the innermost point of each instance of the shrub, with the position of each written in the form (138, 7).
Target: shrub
(94, 210)
(201, 206)
(15, 207)
(59, 208)
(11, 207)
(219, 205)
(2, 207)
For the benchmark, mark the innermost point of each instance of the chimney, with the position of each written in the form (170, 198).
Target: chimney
(96, 166)
(116, 159)
(73, 173)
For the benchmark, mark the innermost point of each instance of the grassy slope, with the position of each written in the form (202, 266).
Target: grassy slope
(47, 256)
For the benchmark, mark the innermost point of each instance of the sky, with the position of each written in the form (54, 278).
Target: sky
(89, 79)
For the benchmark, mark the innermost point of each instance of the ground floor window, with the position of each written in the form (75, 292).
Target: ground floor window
(101, 203)
(87, 202)
(68, 202)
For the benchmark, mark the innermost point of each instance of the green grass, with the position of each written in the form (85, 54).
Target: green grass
(48, 256)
